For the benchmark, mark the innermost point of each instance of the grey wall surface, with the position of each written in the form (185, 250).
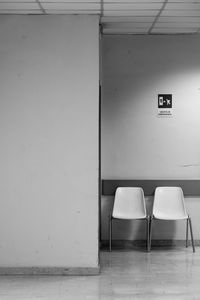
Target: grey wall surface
(49, 72)
(136, 143)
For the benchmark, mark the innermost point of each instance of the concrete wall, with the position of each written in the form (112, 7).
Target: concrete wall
(136, 143)
(49, 70)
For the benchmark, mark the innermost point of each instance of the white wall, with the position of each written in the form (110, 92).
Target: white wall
(135, 142)
(49, 141)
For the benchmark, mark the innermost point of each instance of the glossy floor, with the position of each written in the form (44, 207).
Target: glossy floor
(162, 274)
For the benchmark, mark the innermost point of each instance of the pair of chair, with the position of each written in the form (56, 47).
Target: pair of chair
(169, 204)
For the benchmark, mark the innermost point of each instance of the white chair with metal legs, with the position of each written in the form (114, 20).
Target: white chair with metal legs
(169, 204)
(129, 204)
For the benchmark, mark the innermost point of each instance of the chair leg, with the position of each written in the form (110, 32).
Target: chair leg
(147, 232)
(191, 233)
(110, 232)
(187, 232)
(150, 231)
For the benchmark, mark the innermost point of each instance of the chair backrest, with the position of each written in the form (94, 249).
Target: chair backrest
(169, 203)
(129, 203)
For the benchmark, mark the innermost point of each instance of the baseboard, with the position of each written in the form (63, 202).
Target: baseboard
(51, 271)
(128, 244)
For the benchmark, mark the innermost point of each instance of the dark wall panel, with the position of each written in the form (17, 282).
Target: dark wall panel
(190, 187)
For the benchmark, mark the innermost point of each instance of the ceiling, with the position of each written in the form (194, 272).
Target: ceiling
(120, 17)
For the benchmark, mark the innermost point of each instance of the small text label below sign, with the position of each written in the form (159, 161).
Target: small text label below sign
(164, 105)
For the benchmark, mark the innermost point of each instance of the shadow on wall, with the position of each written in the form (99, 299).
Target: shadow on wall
(141, 64)
(135, 142)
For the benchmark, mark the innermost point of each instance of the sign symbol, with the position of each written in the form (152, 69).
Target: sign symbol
(165, 101)
(160, 100)
(168, 102)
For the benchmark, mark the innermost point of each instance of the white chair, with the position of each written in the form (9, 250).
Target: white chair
(169, 204)
(129, 204)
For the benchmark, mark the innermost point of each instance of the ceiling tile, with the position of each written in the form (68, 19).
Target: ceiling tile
(177, 25)
(183, 1)
(125, 31)
(131, 6)
(20, 12)
(179, 19)
(129, 13)
(71, 6)
(128, 16)
(70, 1)
(67, 12)
(183, 6)
(173, 30)
(14, 1)
(133, 1)
(181, 13)
(141, 19)
(19, 5)
(129, 25)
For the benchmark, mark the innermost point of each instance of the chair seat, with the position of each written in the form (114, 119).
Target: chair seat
(127, 216)
(163, 216)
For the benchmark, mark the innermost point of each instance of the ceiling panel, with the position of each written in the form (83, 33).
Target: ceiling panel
(129, 13)
(124, 31)
(69, 12)
(180, 13)
(128, 25)
(173, 30)
(131, 6)
(179, 19)
(15, 5)
(142, 19)
(14, 1)
(69, 1)
(118, 16)
(183, 1)
(72, 6)
(177, 25)
(133, 1)
(21, 12)
(183, 6)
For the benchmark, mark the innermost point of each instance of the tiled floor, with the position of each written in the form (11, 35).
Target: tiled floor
(162, 274)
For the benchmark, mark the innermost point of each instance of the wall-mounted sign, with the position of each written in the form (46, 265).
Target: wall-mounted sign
(164, 105)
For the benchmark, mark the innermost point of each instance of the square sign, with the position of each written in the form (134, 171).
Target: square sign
(164, 105)
(164, 100)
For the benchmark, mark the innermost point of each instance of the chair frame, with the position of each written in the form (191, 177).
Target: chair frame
(188, 222)
(147, 219)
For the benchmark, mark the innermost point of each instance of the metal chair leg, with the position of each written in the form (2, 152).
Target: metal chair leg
(150, 231)
(110, 233)
(187, 232)
(147, 233)
(191, 233)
